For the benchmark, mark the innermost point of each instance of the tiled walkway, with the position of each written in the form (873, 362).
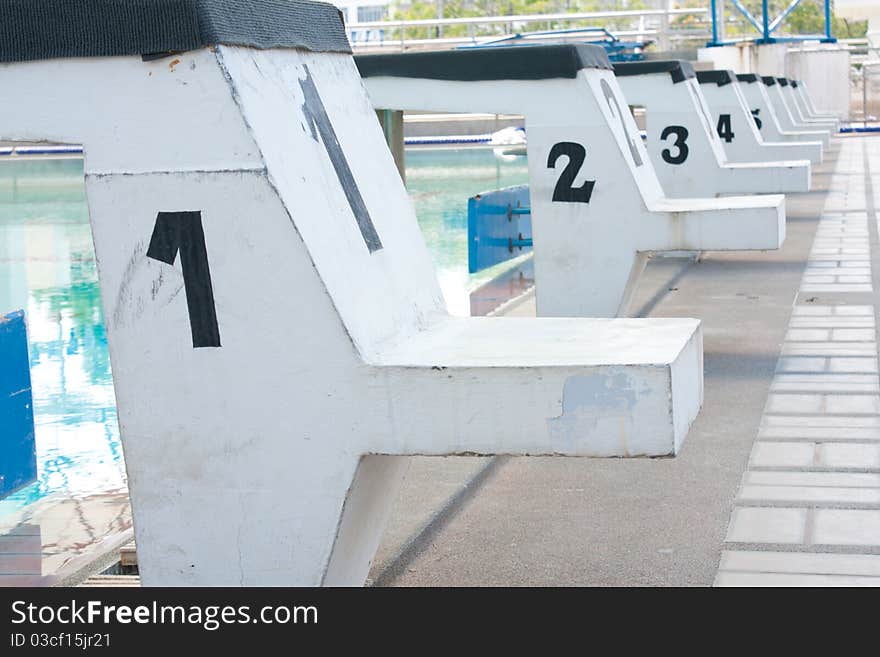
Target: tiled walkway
(808, 510)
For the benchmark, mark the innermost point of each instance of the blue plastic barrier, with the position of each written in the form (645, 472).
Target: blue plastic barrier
(18, 458)
(499, 226)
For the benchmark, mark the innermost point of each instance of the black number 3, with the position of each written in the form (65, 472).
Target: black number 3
(564, 191)
(681, 135)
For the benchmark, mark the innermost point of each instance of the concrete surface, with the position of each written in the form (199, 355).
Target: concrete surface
(554, 521)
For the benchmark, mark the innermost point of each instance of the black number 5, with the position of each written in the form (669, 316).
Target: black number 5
(681, 135)
(755, 113)
(564, 191)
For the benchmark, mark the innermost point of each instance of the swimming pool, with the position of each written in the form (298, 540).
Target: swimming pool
(47, 267)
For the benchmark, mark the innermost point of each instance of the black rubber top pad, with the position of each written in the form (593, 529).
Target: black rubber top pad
(50, 29)
(783, 82)
(496, 63)
(746, 77)
(768, 80)
(678, 70)
(793, 83)
(714, 77)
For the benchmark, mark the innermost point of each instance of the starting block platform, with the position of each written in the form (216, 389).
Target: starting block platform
(683, 141)
(754, 88)
(787, 122)
(793, 102)
(597, 207)
(738, 129)
(278, 339)
(807, 102)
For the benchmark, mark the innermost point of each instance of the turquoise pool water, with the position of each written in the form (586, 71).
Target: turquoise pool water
(47, 267)
(439, 182)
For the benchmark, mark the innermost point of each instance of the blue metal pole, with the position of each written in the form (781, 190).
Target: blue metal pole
(766, 18)
(714, 24)
(828, 19)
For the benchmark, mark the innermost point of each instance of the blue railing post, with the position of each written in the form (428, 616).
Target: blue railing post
(714, 9)
(828, 20)
(766, 20)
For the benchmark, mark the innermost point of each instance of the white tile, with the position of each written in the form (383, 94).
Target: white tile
(831, 479)
(808, 334)
(783, 455)
(841, 364)
(801, 364)
(822, 383)
(837, 349)
(848, 455)
(836, 287)
(780, 403)
(832, 322)
(751, 580)
(852, 404)
(809, 495)
(846, 527)
(853, 334)
(819, 433)
(821, 421)
(854, 310)
(813, 563)
(767, 525)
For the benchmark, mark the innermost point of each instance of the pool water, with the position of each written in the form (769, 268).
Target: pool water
(439, 182)
(47, 267)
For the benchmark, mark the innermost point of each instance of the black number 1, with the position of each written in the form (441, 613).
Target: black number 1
(182, 232)
(319, 124)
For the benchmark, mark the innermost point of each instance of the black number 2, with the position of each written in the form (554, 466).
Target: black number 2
(615, 109)
(725, 131)
(681, 135)
(182, 232)
(564, 191)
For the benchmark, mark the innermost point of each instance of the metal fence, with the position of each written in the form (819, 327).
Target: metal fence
(661, 25)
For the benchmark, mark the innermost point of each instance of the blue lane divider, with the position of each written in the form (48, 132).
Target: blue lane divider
(18, 456)
(448, 139)
(499, 226)
(41, 149)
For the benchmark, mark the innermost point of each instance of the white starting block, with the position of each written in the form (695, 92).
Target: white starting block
(754, 89)
(596, 203)
(807, 102)
(792, 101)
(783, 113)
(682, 141)
(273, 316)
(737, 128)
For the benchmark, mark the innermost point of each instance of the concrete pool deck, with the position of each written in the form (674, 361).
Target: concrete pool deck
(784, 415)
(778, 479)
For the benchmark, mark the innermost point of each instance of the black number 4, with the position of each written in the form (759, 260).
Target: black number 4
(182, 232)
(564, 191)
(725, 131)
